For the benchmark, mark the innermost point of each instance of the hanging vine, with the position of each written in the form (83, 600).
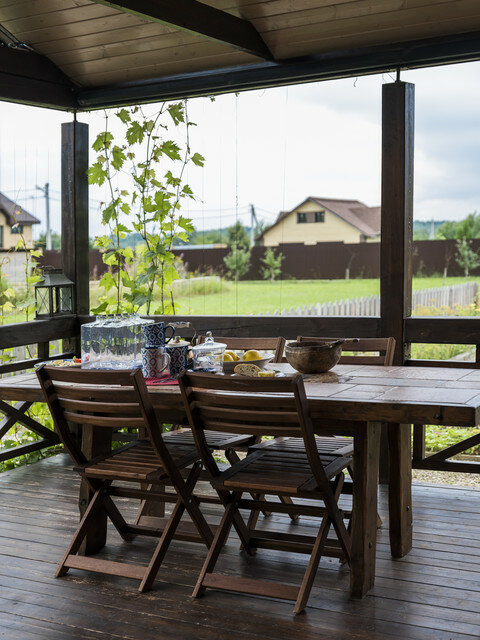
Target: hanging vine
(143, 168)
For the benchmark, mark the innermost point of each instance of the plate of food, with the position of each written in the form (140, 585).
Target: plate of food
(71, 362)
(252, 370)
(232, 358)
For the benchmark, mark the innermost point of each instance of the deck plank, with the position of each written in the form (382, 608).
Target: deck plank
(431, 594)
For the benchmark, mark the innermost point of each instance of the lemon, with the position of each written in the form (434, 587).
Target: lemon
(227, 357)
(266, 374)
(233, 355)
(252, 354)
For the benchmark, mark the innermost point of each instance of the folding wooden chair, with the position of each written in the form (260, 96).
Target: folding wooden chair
(112, 400)
(381, 352)
(277, 407)
(277, 345)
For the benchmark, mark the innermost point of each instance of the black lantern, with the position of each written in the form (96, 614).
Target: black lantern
(53, 294)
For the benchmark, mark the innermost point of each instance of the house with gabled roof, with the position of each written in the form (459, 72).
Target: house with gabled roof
(14, 220)
(324, 220)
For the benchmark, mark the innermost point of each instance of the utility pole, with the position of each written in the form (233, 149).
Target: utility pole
(48, 235)
(253, 224)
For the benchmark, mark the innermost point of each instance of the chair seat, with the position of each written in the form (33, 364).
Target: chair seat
(137, 462)
(216, 440)
(325, 445)
(265, 471)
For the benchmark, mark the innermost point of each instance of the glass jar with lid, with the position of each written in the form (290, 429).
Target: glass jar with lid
(208, 356)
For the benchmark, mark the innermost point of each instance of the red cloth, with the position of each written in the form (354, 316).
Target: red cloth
(165, 379)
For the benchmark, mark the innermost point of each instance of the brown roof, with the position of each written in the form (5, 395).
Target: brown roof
(356, 213)
(14, 213)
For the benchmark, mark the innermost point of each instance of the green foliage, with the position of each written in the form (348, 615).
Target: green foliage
(237, 236)
(467, 258)
(148, 210)
(56, 238)
(466, 229)
(272, 264)
(237, 263)
(438, 438)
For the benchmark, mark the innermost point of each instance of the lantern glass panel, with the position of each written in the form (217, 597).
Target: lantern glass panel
(63, 299)
(43, 301)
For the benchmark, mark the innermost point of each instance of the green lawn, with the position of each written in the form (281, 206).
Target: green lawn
(258, 296)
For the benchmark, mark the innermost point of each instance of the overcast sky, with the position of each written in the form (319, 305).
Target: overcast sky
(274, 148)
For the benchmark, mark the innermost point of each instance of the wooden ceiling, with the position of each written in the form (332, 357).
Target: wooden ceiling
(88, 44)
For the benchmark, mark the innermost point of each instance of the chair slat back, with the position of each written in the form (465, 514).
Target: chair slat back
(257, 406)
(105, 399)
(277, 345)
(381, 350)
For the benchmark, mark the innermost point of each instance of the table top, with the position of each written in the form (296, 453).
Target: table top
(427, 395)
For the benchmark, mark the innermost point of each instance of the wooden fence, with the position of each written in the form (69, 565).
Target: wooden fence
(441, 297)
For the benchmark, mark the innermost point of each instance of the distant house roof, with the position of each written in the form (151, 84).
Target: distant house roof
(14, 213)
(356, 213)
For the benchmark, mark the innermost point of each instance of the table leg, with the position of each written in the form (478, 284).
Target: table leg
(364, 519)
(400, 489)
(95, 442)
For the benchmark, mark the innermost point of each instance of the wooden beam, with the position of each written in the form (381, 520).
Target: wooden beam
(200, 19)
(30, 78)
(443, 330)
(18, 334)
(413, 54)
(397, 212)
(75, 250)
(267, 326)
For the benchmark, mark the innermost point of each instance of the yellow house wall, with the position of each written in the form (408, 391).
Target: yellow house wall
(10, 239)
(333, 229)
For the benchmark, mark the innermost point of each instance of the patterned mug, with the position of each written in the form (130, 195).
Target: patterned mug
(155, 361)
(178, 352)
(156, 334)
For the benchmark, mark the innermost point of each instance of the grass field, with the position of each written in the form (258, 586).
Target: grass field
(259, 296)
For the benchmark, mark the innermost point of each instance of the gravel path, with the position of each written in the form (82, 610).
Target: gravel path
(442, 477)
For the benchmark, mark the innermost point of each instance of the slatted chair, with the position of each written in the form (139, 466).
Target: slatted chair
(277, 345)
(266, 406)
(366, 351)
(111, 400)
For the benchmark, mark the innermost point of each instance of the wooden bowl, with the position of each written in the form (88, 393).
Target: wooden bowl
(313, 357)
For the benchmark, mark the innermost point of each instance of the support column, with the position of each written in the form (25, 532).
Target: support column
(398, 114)
(75, 249)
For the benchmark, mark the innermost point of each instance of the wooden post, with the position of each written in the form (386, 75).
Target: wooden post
(397, 213)
(75, 263)
(398, 112)
(75, 250)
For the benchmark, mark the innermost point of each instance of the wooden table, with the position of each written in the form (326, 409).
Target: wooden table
(359, 400)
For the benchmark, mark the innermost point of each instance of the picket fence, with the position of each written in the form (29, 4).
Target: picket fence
(451, 296)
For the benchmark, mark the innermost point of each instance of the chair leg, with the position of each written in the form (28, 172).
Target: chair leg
(170, 528)
(309, 576)
(319, 545)
(219, 540)
(118, 520)
(185, 491)
(162, 547)
(93, 508)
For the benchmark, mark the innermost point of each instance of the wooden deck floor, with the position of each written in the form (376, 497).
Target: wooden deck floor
(432, 594)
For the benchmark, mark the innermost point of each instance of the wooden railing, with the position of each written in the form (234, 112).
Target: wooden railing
(37, 335)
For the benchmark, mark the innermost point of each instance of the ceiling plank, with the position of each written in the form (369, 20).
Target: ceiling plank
(199, 19)
(30, 78)
(329, 66)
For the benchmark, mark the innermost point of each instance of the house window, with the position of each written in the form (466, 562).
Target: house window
(1, 236)
(17, 228)
(301, 217)
(319, 216)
